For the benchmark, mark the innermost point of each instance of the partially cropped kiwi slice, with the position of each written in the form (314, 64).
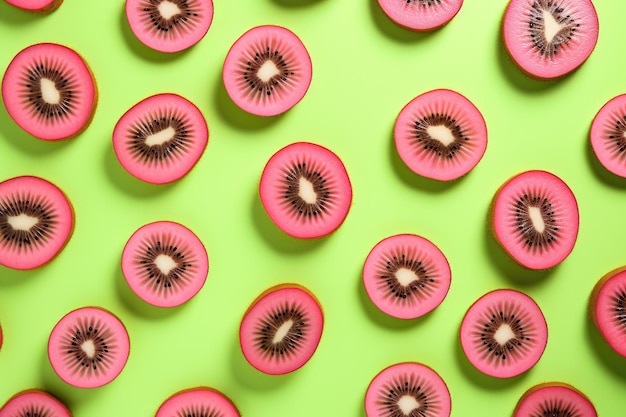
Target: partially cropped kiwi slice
(607, 305)
(36, 6)
(554, 399)
(34, 403)
(198, 402)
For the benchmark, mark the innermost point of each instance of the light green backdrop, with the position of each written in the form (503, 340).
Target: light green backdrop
(365, 70)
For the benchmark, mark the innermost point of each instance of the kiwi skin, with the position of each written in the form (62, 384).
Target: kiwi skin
(48, 9)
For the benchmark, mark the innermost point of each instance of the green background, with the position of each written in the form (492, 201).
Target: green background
(365, 69)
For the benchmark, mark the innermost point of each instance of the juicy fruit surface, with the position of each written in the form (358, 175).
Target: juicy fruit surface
(36, 222)
(406, 276)
(441, 135)
(169, 25)
(535, 219)
(34, 403)
(421, 15)
(165, 263)
(608, 135)
(554, 399)
(48, 90)
(282, 329)
(39, 6)
(504, 333)
(161, 138)
(305, 190)
(608, 308)
(198, 402)
(267, 70)
(407, 389)
(88, 347)
(548, 38)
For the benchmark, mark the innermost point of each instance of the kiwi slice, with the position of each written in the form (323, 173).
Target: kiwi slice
(421, 15)
(550, 38)
(36, 6)
(534, 217)
(607, 304)
(608, 135)
(169, 25)
(409, 389)
(441, 135)
(554, 399)
(267, 70)
(88, 347)
(406, 276)
(49, 91)
(281, 329)
(198, 402)
(504, 333)
(34, 403)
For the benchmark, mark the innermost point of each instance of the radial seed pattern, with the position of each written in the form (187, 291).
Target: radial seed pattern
(23, 203)
(291, 316)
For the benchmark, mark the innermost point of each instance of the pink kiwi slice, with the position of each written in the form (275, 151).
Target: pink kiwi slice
(504, 333)
(421, 15)
(88, 347)
(441, 135)
(267, 70)
(198, 402)
(34, 403)
(281, 329)
(305, 190)
(49, 91)
(161, 138)
(554, 399)
(165, 263)
(406, 276)
(607, 305)
(547, 38)
(36, 222)
(534, 217)
(407, 389)
(36, 6)
(169, 25)
(608, 135)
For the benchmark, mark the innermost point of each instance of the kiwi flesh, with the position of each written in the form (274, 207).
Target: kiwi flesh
(554, 399)
(34, 402)
(198, 402)
(36, 6)
(607, 135)
(607, 305)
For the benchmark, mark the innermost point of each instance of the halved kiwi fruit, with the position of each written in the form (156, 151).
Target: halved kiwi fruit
(88, 347)
(550, 38)
(607, 305)
(49, 91)
(608, 135)
(169, 25)
(406, 276)
(36, 222)
(281, 329)
(504, 333)
(421, 15)
(554, 399)
(534, 217)
(267, 70)
(198, 402)
(408, 389)
(36, 6)
(34, 403)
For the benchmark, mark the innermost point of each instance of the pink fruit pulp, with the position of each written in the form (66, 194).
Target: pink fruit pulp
(16, 89)
(543, 398)
(414, 253)
(39, 6)
(488, 307)
(427, 109)
(199, 401)
(607, 135)
(273, 300)
(169, 234)
(34, 402)
(417, 16)
(116, 339)
(569, 56)
(55, 233)
(393, 378)
(607, 310)
(563, 207)
(180, 159)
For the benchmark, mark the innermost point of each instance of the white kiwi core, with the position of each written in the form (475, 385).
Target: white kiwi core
(168, 9)
(440, 133)
(504, 334)
(160, 137)
(550, 26)
(89, 348)
(408, 403)
(536, 218)
(165, 263)
(406, 276)
(267, 71)
(22, 222)
(49, 92)
(282, 331)
(306, 191)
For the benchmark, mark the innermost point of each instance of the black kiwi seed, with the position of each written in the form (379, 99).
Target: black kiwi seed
(513, 348)
(34, 411)
(269, 326)
(292, 188)
(153, 276)
(31, 91)
(250, 70)
(555, 408)
(424, 3)
(419, 288)
(536, 25)
(619, 308)
(33, 206)
(150, 125)
(532, 238)
(410, 386)
(616, 137)
(163, 25)
(428, 143)
(88, 331)
(198, 411)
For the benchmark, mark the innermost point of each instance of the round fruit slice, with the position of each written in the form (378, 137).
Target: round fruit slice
(608, 308)
(305, 190)
(34, 403)
(534, 217)
(281, 329)
(407, 389)
(36, 6)
(441, 135)
(169, 25)
(161, 138)
(554, 399)
(504, 333)
(198, 402)
(267, 71)
(88, 347)
(36, 222)
(548, 39)
(49, 91)
(406, 276)
(165, 263)
(608, 135)
(421, 15)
